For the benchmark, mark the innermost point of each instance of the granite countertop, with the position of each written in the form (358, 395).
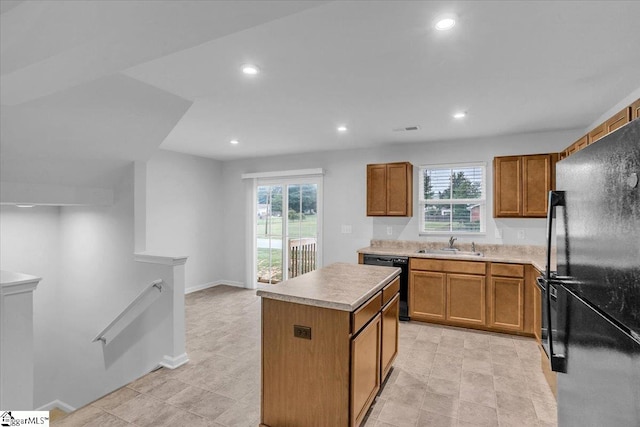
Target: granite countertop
(340, 286)
(515, 254)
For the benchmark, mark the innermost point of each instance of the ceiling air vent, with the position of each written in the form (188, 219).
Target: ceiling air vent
(406, 129)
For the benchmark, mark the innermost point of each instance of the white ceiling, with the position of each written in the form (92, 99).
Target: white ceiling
(108, 82)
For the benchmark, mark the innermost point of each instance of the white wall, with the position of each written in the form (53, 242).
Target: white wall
(184, 213)
(345, 192)
(31, 244)
(85, 256)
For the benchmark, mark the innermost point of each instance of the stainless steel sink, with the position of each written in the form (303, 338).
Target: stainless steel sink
(450, 252)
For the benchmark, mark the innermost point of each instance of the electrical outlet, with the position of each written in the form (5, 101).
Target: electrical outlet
(498, 233)
(303, 332)
(346, 229)
(389, 230)
(521, 234)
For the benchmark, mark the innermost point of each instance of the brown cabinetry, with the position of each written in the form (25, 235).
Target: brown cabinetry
(521, 185)
(506, 297)
(618, 120)
(466, 299)
(480, 295)
(390, 189)
(324, 366)
(389, 345)
(635, 110)
(445, 291)
(365, 369)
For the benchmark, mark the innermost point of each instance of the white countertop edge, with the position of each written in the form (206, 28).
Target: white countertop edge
(159, 259)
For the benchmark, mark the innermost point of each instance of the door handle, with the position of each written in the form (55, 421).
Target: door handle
(558, 361)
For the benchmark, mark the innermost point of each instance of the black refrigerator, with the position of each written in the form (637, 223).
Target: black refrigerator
(592, 306)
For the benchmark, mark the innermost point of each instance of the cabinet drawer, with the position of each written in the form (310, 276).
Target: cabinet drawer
(390, 290)
(509, 270)
(366, 312)
(469, 267)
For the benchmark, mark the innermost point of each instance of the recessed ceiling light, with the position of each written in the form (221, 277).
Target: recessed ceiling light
(445, 23)
(342, 128)
(250, 69)
(460, 115)
(24, 206)
(234, 142)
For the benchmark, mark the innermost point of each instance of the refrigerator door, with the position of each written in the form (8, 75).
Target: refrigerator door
(598, 228)
(602, 384)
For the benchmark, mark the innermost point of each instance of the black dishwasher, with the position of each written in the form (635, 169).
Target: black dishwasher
(403, 264)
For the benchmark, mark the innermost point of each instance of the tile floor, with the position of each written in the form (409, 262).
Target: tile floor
(442, 377)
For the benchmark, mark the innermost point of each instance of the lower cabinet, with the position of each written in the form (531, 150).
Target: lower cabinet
(322, 366)
(365, 368)
(466, 299)
(389, 345)
(427, 290)
(506, 302)
(476, 294)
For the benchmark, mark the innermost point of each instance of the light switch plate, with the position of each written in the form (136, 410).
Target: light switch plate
(389, 230)
(302, 332)
(521, 234)
(346, 229)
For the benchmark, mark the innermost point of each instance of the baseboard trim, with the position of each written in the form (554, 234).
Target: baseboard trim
(213, 284)
(174, 362)
(56, 404)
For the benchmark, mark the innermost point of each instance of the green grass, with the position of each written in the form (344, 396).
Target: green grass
(271, 227)
(308, 227)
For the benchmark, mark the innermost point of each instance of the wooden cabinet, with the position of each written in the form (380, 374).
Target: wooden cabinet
(365, 369)
(618, 120)
(389, 345)
(331, 372)
(506, 297)
(445, 291)
(522, 184)
(507, 183)
(635, 110)
(390, 189)
(427, 290)
(476, 294)
(466, 299)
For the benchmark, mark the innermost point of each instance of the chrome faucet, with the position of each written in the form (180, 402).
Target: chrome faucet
(451, 242)
(473, 246)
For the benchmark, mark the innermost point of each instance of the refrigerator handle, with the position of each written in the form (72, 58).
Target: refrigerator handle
(558, 361)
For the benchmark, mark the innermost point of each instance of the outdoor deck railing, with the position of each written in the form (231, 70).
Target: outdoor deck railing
(302, 256)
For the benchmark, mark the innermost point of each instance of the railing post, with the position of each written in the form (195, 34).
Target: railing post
(175, 284)
(16, 340)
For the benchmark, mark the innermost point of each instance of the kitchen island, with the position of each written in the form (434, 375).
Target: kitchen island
(329, 338)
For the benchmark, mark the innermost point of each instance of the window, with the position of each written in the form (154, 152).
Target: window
(452, 198)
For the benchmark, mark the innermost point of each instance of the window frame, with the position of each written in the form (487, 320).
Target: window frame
(422, 202)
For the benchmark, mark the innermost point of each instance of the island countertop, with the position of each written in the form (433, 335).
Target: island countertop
(340, 286)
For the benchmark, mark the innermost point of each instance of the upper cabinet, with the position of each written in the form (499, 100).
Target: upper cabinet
(618, 120)
(635, 110)
(390, 189)
(521, 185)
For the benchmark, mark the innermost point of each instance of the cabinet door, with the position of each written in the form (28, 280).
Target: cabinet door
(399, 194)
(597, 133)
(622, 118)
(376, 190)
(427, 295)
(365, 369)
(507, 194)
(389, 335)
(635, 110)
(537, 181)
(466, 299)
(506, 303)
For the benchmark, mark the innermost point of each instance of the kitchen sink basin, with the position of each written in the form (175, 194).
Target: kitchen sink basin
(450, 252)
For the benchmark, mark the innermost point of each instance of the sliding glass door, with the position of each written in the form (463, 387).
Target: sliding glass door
(287, 228)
